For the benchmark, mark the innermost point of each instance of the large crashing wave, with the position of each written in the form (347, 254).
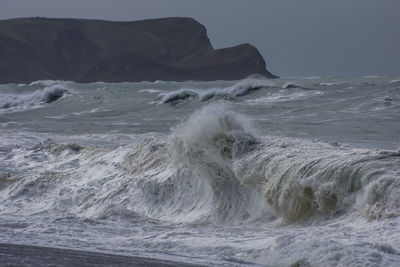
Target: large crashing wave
(47, 95)
(302, 179)
(296, 179)
(213, 168)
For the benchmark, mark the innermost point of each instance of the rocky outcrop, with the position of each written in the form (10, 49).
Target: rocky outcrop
(94, 50)
(225, 64)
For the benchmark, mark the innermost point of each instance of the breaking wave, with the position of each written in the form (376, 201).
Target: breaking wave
(47, 95)
(331, 83)
(394, 81)
(213, 168)
(290, 85)
(239, 89)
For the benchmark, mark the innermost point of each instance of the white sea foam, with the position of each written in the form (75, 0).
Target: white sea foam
(283, 95)
(288, 85)
(176, 96)
(241, 88)
(214, 169)
(394, 81)
(213, 186)
(371, 76)
(44, 82)
(291, 91)
(150, 91)
(331, 83)
(47, 95)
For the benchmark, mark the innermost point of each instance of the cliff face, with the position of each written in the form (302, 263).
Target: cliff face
(93, 50)
(225, 64)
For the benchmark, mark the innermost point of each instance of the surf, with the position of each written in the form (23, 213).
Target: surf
(213, 168)
(47, 95)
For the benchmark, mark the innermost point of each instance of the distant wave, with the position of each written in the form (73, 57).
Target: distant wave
(283, 95)
(150, 91)
(47, 95)
(372, 76)
(291, 91)
(331, 83)
(289, 85)
(175, 96)
(45, 82)
(239, 89)
(394, 81)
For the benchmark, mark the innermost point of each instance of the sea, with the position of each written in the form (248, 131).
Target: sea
(296, 171)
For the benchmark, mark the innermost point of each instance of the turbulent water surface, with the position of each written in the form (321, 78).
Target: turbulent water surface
(254, 172)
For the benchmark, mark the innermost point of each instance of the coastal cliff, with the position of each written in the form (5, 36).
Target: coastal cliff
(94, 50)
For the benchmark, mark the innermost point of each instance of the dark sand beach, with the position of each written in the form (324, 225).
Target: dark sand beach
(26, 255)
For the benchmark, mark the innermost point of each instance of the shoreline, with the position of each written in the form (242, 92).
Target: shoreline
(31, 255)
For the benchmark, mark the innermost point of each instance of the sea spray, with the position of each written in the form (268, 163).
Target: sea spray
(195, 183)
(206, 145)
(115, 178)
(213, 168)
(298, 179)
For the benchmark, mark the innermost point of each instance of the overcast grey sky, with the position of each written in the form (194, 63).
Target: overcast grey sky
(296, 37)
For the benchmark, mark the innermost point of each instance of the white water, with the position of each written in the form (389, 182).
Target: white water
(47, 95)
(216, 188)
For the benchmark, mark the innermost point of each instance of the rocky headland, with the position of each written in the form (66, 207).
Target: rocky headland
(84, 50)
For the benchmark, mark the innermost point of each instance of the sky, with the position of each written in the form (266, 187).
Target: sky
(296, 38)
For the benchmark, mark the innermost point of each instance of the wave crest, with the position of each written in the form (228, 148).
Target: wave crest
(47, 95)
(213, 168)
(241, 88)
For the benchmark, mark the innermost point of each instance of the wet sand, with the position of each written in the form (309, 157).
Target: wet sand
(26, 255)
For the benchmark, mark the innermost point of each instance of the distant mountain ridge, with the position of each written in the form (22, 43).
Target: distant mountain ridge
(84, 50)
